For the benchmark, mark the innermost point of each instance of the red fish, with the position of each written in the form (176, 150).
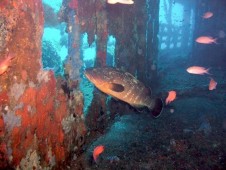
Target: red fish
(128, 2)
(171, 97)
(206, 40)
(212, 84)
(207, 15)
(198, 70)
(97, 151)
(5, 64)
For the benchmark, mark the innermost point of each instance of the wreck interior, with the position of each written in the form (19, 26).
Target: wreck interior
(53, 117)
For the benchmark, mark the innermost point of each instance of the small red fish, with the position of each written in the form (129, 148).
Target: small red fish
(171, 97)
(212, 84)
(5, 64)
(97, 151)
(207, 15)
(206, 40)
(198, 70)
(128, 2)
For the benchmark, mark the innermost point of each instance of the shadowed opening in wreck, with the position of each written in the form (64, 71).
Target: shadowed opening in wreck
(176, 22)
(88, 55)
(110, 61)
(55, 38)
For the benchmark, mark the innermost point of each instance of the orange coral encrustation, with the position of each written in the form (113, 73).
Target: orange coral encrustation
(41, 115)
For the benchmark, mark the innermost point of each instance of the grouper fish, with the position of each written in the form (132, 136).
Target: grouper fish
(125, 87)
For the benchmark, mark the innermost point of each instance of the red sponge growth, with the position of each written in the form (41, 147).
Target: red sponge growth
(43, 110)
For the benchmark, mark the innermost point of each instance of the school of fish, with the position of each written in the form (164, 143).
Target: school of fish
(125, 87)
(206, 40)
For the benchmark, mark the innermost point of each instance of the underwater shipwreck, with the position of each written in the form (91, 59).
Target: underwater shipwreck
(112, 84)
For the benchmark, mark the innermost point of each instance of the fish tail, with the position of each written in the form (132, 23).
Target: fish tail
(207, 71)
(167, 101)
(157, 107)
(95, 158)
(215, 41)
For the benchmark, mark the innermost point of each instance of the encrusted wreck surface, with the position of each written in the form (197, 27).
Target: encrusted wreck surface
(37, 126)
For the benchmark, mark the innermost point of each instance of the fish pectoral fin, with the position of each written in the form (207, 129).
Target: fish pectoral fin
(115, 87)
(140, 109)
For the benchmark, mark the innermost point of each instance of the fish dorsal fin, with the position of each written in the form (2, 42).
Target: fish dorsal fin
(129, 74)
(115, 87)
